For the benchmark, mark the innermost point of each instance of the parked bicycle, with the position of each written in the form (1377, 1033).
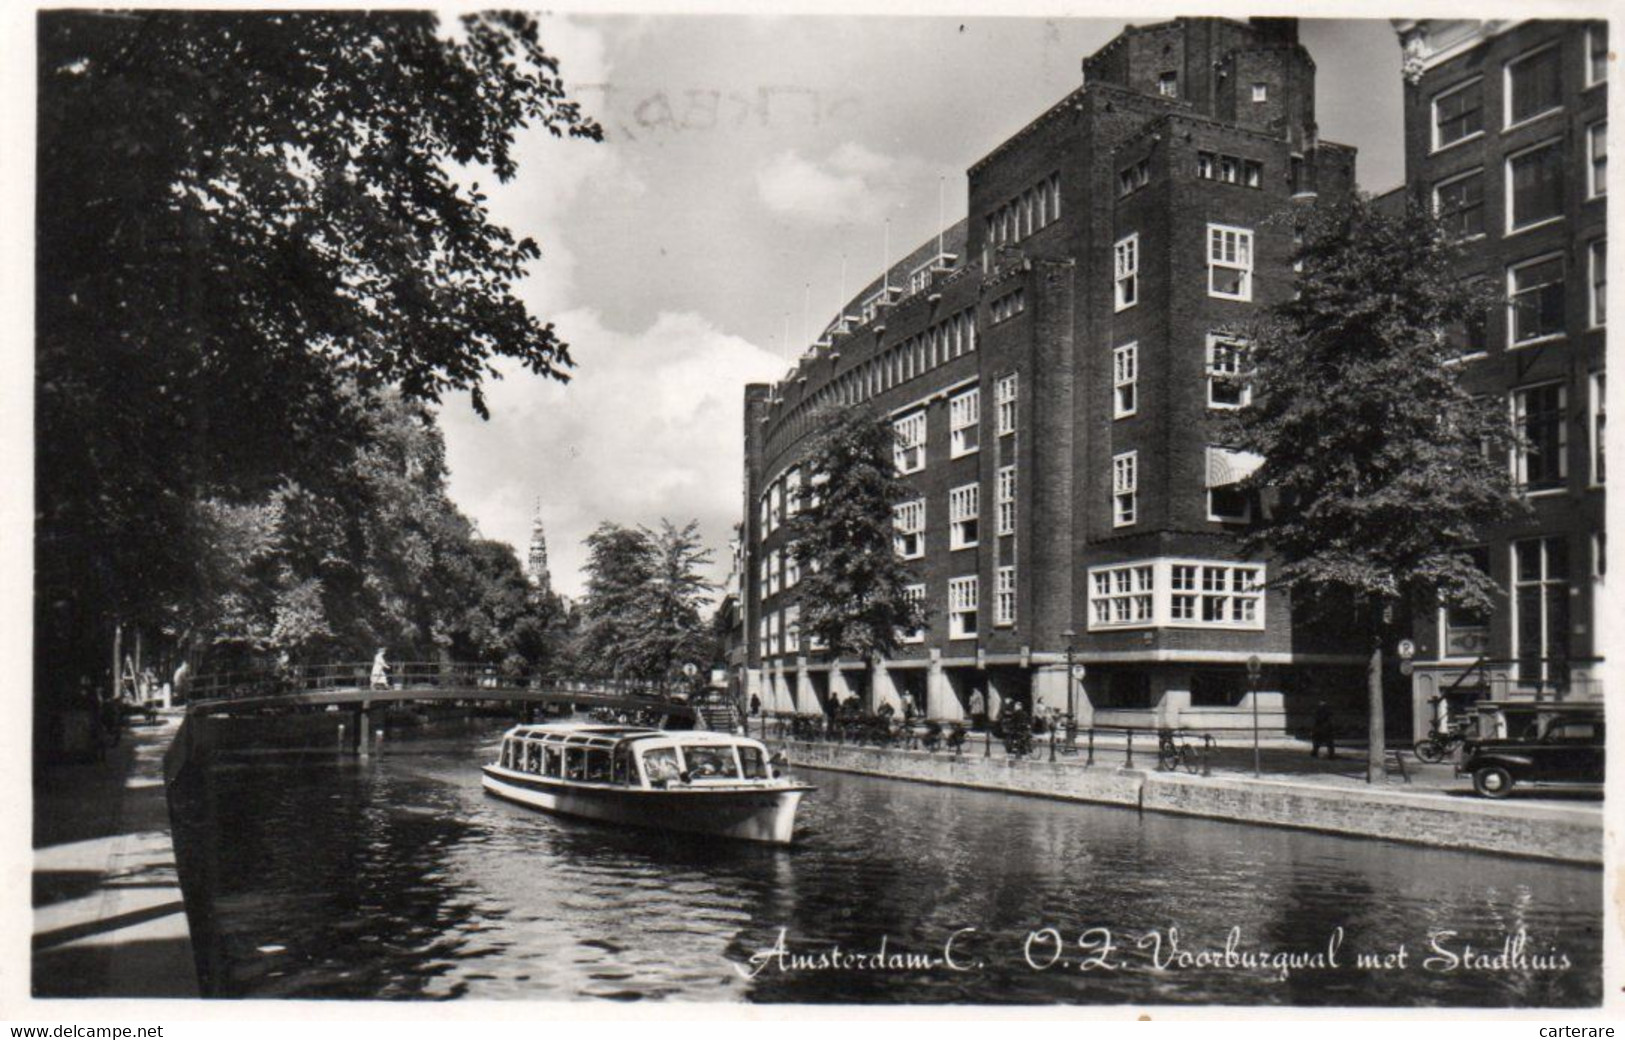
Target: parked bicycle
(1175, 752)
(1439, 745)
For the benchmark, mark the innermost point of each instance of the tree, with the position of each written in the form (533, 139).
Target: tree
(1387, 470)
(620, 564)
(853, 590)
(248, 224)
(642, 617)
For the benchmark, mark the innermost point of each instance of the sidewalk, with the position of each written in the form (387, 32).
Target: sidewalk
(109, 920)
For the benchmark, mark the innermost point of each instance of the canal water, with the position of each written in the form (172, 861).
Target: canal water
(314, 876)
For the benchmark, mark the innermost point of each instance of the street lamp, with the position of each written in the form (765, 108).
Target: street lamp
(1255, 669)
(1071, 714)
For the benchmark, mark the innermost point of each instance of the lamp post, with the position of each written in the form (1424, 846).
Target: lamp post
(1070, 635)
(1255, 668)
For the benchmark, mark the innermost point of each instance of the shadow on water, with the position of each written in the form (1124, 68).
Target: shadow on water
(399, 878)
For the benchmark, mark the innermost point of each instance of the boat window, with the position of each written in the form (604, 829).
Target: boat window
(621, 766)
(660, 765)
(755, 765)
(713, 762)
(507, 754)
(553, 761)
(575, 763)
(598, 766)
(533, 758)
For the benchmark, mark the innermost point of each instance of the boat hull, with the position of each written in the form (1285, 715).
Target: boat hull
(761, 814)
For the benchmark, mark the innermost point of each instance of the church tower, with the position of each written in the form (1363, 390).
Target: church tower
(537, 568)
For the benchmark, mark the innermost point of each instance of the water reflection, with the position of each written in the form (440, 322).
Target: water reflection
(399, 878)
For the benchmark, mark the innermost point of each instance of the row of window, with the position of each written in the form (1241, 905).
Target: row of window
(1227, 503)
(964, 516)
(964, 425)
(779, 569)
(1134, 178)
(1226, 387)
(1033, 210)
(1535, 178)
(1176, 593)
(1008, 306)
(1532, 86)
(1229, 266)
(1230, 169)
(779, 632)
(1537, 295)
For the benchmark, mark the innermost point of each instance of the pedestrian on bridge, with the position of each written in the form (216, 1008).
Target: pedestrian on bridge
(380, 671)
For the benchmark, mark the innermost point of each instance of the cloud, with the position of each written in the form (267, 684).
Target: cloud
(649, 427)
(851, 185)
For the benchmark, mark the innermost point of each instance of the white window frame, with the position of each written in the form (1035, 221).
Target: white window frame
(1125, 489)
(1215, 375)
(1237, 586)
(1515, 584)
(965, 423)
(1520, 457)
(964, 509)
(792, 629)
(775, 495)
(1438, 209)
(764, 644)
(773, 634)
(1126, 272)
(1591, 31)
(909, 452)
(1125, 380)
(1592, 296)
(765, 566)
(775, 572)
(916, 594)
(792, 491)
(963, 601)
(1555, 144)
(1261, 92)
(1004, 397)
(792, 569)
(1597, 423)
(1506, 88)
(1004, 597)
(1513, 342)
(1598, 131)
(909, 520)
(1244, 244)
(1433, 112)
(1123, 596)
(1005, 500)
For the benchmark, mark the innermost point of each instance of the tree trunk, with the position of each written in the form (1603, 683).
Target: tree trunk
(1377, 736)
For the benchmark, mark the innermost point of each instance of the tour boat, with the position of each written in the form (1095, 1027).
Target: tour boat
(697, 781)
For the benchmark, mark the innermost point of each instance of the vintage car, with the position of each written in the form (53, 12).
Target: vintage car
(1567, 748)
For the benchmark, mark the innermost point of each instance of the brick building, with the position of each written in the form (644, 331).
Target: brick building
(1055, 365)
(1506, 136)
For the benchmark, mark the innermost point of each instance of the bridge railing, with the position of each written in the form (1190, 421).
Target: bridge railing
(400, 675)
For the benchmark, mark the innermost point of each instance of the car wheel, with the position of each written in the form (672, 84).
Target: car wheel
(1492, 782)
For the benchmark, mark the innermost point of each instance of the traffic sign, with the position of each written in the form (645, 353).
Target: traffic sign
(1255, 666)
(1407, 649)
(1406, 667)
(690, 669)
(1078, 671)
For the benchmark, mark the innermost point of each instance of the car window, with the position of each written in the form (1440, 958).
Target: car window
(1572, 731)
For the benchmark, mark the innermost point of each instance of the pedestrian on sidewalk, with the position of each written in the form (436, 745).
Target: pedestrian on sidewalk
(978, 709)
(380, 671)
(755, 704)
(1320, 732)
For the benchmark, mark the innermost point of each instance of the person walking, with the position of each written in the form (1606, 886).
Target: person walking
(755, 704)
(380, 671)
(1320, 732)
(978, 709)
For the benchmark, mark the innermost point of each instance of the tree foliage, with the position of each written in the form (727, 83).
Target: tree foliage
(853, 588)
(249, 225)
(643, 616)
(1386, 469)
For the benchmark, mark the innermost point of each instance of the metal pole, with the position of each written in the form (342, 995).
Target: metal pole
(1257, 767)
(1130, 763)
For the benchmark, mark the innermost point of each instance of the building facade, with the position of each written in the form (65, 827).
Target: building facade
(1506, 137)
(1056, 366)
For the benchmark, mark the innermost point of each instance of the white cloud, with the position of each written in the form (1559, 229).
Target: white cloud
(649, 427)
(852, 184)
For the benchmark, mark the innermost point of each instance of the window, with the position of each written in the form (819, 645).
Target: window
(774, 569)
(915, 594)
(792, 569)
(1535, 186)
(1005, 307)
(1004, 598)
(1168, 84)
(909, 521)
(1004, 397)
(1218, 688)
(1540, 605)
(1216, 595)
(1125, 484)
(1459, 204)
(1005, 500)
(1121, 597)
(965, 422)
(1229, 169)
(792, 492)
(910, 450)
(1125, 377)
(1540, 462)
(792, 629)
(964, 503)
(1458, 114)
(1597, 151)
(766, 569)
(1225, 386)
(773, 633)
(1261, 92)
(1534, 85)
(1055, 196)
(1599, 427)
(1226, 470)
(1126, 268)
(1467, 632)
(1599, 282)
(1596, 53)
(962, 596)
(1134, 178)
(1204, 165)
(1535, 299)
(776, 506)
(1230, 262)
(1252, 173)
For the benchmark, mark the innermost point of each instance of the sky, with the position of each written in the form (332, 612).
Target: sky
(747, 162)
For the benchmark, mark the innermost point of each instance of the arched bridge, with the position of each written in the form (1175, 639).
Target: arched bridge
(351, 686)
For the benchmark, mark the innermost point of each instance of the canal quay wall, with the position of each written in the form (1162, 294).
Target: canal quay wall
(1436, 819)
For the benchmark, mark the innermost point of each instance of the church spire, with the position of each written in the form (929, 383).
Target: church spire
(537, 569)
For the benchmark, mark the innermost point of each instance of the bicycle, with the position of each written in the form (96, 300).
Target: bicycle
(1173, 754)
(1439, 745)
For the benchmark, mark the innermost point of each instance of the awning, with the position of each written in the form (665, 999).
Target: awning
(1226, 467)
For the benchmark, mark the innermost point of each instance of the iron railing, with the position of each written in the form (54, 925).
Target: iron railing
(399, 675)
